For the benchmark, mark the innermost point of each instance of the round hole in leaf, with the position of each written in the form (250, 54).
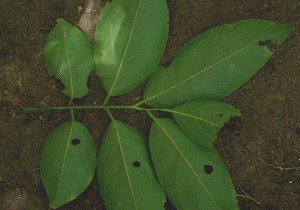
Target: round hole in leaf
(75, 142)
(261, 43)
(136, 164)
(208, 169)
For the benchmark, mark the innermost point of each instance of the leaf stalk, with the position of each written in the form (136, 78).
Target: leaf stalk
(30, 109)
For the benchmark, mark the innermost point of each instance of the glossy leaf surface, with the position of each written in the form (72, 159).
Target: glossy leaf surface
(68, 162)
(124, 171)
(69, 57)
(193, 177)
(201, 120)
(215, 63)
(130, 40)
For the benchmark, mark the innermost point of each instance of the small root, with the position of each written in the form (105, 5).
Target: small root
(247, 196)
(270, 165)
(20, 86)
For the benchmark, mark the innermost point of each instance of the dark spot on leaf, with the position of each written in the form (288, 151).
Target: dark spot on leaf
(208, 169)
(220, 115)
(136, 164)
(118, 7)
(261, 43)
(75, 142)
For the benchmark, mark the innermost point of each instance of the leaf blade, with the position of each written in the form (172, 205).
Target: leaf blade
(69, 57)
(68, 162)
(201, 120)
(180, 166)
(215, 63)
(129, 43)
(124, 161)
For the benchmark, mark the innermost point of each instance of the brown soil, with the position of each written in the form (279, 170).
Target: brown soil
(261, 149)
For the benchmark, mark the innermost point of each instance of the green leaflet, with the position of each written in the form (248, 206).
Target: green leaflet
(69, 57)
(130, 40)
(215, 63)
(193, 177)
(201, 120)
(124, 171)
(68, 162)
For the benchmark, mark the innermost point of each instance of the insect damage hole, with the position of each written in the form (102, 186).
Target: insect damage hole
(75, 142)
(261, 43)
(208, 169)
(136, 164)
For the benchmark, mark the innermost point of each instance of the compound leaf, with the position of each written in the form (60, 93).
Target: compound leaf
(124, 171)
(130, 40)
(69, 57)
(215, 63)
(201, 120)
(68, 162)
(193, 177)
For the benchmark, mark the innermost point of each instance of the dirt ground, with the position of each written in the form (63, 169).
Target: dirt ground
(261, 149)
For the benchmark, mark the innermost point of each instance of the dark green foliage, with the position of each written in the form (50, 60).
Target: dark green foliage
(130, 39)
